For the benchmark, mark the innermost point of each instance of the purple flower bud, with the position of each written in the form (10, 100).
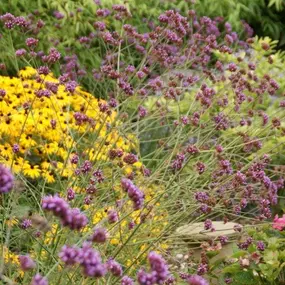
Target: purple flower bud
(159, 271)
(70, 194)
(232, 67)
(44, 70)
(69, 254)
(70, 86)
(200, 166)
(100, 26)
(202, 269)
(53, 56)
(197, 280)
(131, 225)
(74, 159)
(142, 111)
(126, 280)
(6, 179)
(26, 262)
(55, 204)
(38, 279)
(223, 239)
(130, 158)
(40, 23)
(260, 246)
(134, 193)
(74, 219)
(20, 52)
(113, 216)
(86, 167)
(114, 267)
(58, 15)
(43, 93)
(208, 225)
(16, 148)
(31, 42)
(99, 235)
(26, 223)
(2, 93)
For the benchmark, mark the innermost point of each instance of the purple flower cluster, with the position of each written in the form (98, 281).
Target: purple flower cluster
(70, 217)
(197, 280)
(201, 197)
(25, 224)
(208, 225)
(136, 195)
(260, 245)
(201, 167)
(38, 279)
(126, 280)
(159, 271)
(99, 235)
(113, 216)
(245, 244)
(70, 194)
(26, 262)
(6, 179)
(10, 21)
(130, 158)
(31, 42)
(88, 258)
(177, 163)
(223, 239)
(114, 267)
(43, 93)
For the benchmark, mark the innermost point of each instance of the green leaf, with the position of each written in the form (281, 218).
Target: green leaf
(239, 253)
(233, 268)
(211, 254)
(245, 277)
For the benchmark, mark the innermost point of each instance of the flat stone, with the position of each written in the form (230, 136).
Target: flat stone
(196, 231)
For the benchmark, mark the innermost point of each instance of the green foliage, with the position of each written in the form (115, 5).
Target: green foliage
(264, 267)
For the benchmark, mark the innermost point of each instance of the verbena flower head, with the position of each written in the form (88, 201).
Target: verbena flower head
(26, 262)
(114, 267)
(6, 179)
(134, 193)
(69, 254)
(26, 223)
(91, 262)
(159, 270)
(197, 280)
(126, 280)
(99, 235)
(38, 279)
(71, 217)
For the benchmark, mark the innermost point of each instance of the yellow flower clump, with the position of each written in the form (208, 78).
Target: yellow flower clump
(25, 120)
(11, 258)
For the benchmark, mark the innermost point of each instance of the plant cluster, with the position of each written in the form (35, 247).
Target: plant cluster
(191, 130)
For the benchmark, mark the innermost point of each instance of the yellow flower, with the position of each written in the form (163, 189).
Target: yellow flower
(128, 170)
(6, 150)
(10, 257)
(27, 72)
(19, 164)
(115, 241)
(51, 234)
(48, 176)
(11, 222)
(32, 171)
(50, 148)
